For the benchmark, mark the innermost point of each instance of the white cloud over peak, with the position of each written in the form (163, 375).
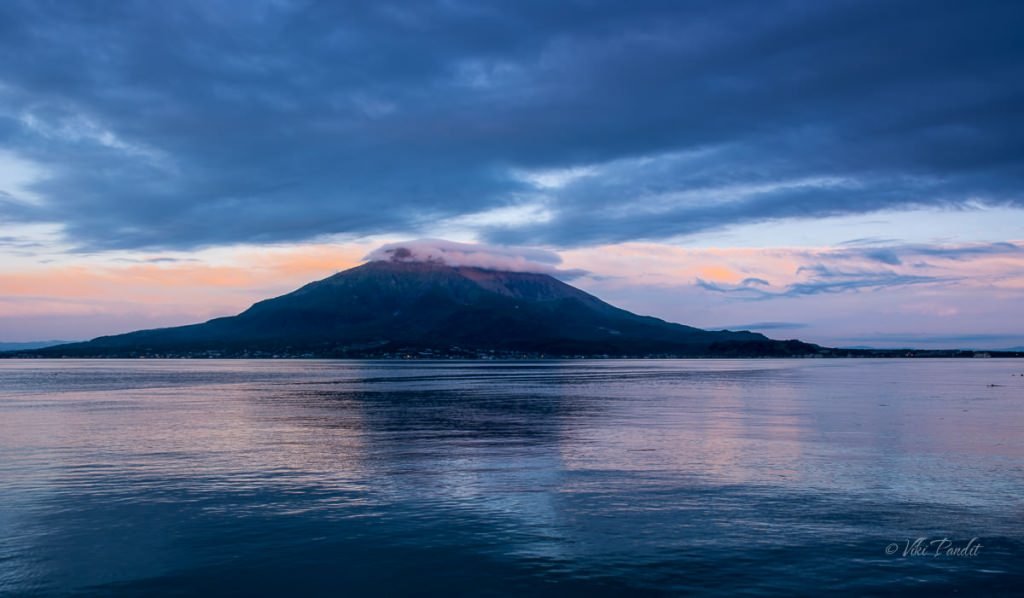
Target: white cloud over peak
(490, 257)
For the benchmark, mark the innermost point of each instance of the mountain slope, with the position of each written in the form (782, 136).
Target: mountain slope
(388, 307)
(22, 346)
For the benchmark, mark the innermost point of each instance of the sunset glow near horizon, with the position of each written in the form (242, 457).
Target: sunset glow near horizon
(845, 174)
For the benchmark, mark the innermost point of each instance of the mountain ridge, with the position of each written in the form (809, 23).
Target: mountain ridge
(394, 307)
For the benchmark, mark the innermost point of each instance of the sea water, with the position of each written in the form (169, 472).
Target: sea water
(769, 477)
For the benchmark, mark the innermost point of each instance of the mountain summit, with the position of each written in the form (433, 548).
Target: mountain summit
(394, 307)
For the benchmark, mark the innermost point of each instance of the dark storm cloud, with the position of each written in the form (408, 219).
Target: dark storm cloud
(181, 124)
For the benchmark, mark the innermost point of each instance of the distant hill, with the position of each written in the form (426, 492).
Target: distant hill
(30, 345)
(401, 308)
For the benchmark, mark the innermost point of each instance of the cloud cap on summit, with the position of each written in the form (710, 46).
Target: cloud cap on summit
(475, 255)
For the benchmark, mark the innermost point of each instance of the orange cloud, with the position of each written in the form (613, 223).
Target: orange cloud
(655, 265)
(718, 274)
(646, 277)
(249, 275)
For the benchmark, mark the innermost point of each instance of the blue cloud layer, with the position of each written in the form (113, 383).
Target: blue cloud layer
(844, 271)
(183, 124)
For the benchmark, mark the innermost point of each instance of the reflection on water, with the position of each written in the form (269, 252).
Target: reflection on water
(263, 477)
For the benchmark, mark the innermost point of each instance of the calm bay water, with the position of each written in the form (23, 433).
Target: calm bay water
(468, 478)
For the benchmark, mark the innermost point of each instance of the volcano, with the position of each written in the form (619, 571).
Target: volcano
(395, 308)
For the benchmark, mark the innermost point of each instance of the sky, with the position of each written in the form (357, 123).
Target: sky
(846, 173)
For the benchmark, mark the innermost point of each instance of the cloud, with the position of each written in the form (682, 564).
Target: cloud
(91, 295)
(187, 124)
(828, 281)
(868, 241)
(846, 294)
(885, 256)
(824, 279)
(746, 288)
(762, 326)
(895, 254)
(988, 341)
(491, 257)
(967, 251)
(12, 242)
(155, 260)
